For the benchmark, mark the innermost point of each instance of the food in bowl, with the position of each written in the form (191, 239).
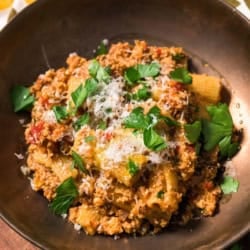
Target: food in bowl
(128, 142)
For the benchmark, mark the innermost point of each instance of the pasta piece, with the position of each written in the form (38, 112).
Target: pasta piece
(207, 90)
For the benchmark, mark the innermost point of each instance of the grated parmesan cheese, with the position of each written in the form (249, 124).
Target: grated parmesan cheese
(49, 117)
(125, 146)
(19, 156)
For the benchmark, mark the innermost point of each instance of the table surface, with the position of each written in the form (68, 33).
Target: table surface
(9, 239)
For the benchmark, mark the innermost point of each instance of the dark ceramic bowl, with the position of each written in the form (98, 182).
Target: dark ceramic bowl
(44, 34)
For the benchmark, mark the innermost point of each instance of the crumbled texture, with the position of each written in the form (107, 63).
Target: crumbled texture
(111, 200)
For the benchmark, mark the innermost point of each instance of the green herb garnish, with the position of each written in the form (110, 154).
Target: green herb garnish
(192, 131)
(21, 98)
(98, 72)
(156, 112)
(82, 92)
(134, 74)
(101, 49)
(66, 193)
(131, 75)
(78, 162)
(228, 149)
(220, 126)
(229, 185)
(142, 94)
(153, 141)
(60, 112)
(160, 194)
(89, 138)
(81, 121)
(79, 95)
(181, 75)
(132, 167)
(148, 70)
(178, 57)
(137, 119)
(102, 125)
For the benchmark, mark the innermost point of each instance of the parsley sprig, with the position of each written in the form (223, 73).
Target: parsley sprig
(229, 185)
(218, 130)
(78, 162)
(21, 98)
(132, 167)
(66, 193)
(146, 123)
(139, 72)
(181, 75)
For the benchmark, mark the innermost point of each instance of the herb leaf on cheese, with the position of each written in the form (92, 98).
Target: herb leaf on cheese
(66, 193)
(21, 98)
(136, 119)
(98, 72)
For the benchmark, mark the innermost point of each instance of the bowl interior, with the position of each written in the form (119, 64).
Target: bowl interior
(44, 34)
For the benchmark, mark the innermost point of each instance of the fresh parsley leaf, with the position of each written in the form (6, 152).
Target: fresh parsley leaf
(103, 75)
(102, 125)
(192, 131)
(66, 193)
(98, 72)
(228, 149)
(90, 86)
(181, 75)
(79, 95)
(78, 162)
(131, 75)
(132, 167)
(160, 194)
(21, 98)
(101, 49)
(89, 138)
(136, 119)
(135, 74)
(82, 92)
(82, 120)
(153, 141)
(220, 115)
(218, 127)
(93, 68)
(156, 112)
(60, 113)
(229, 185)
(142, 94)
(148, 70)
(178, 57)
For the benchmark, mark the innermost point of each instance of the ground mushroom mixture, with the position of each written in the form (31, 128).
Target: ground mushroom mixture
(129, 141)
